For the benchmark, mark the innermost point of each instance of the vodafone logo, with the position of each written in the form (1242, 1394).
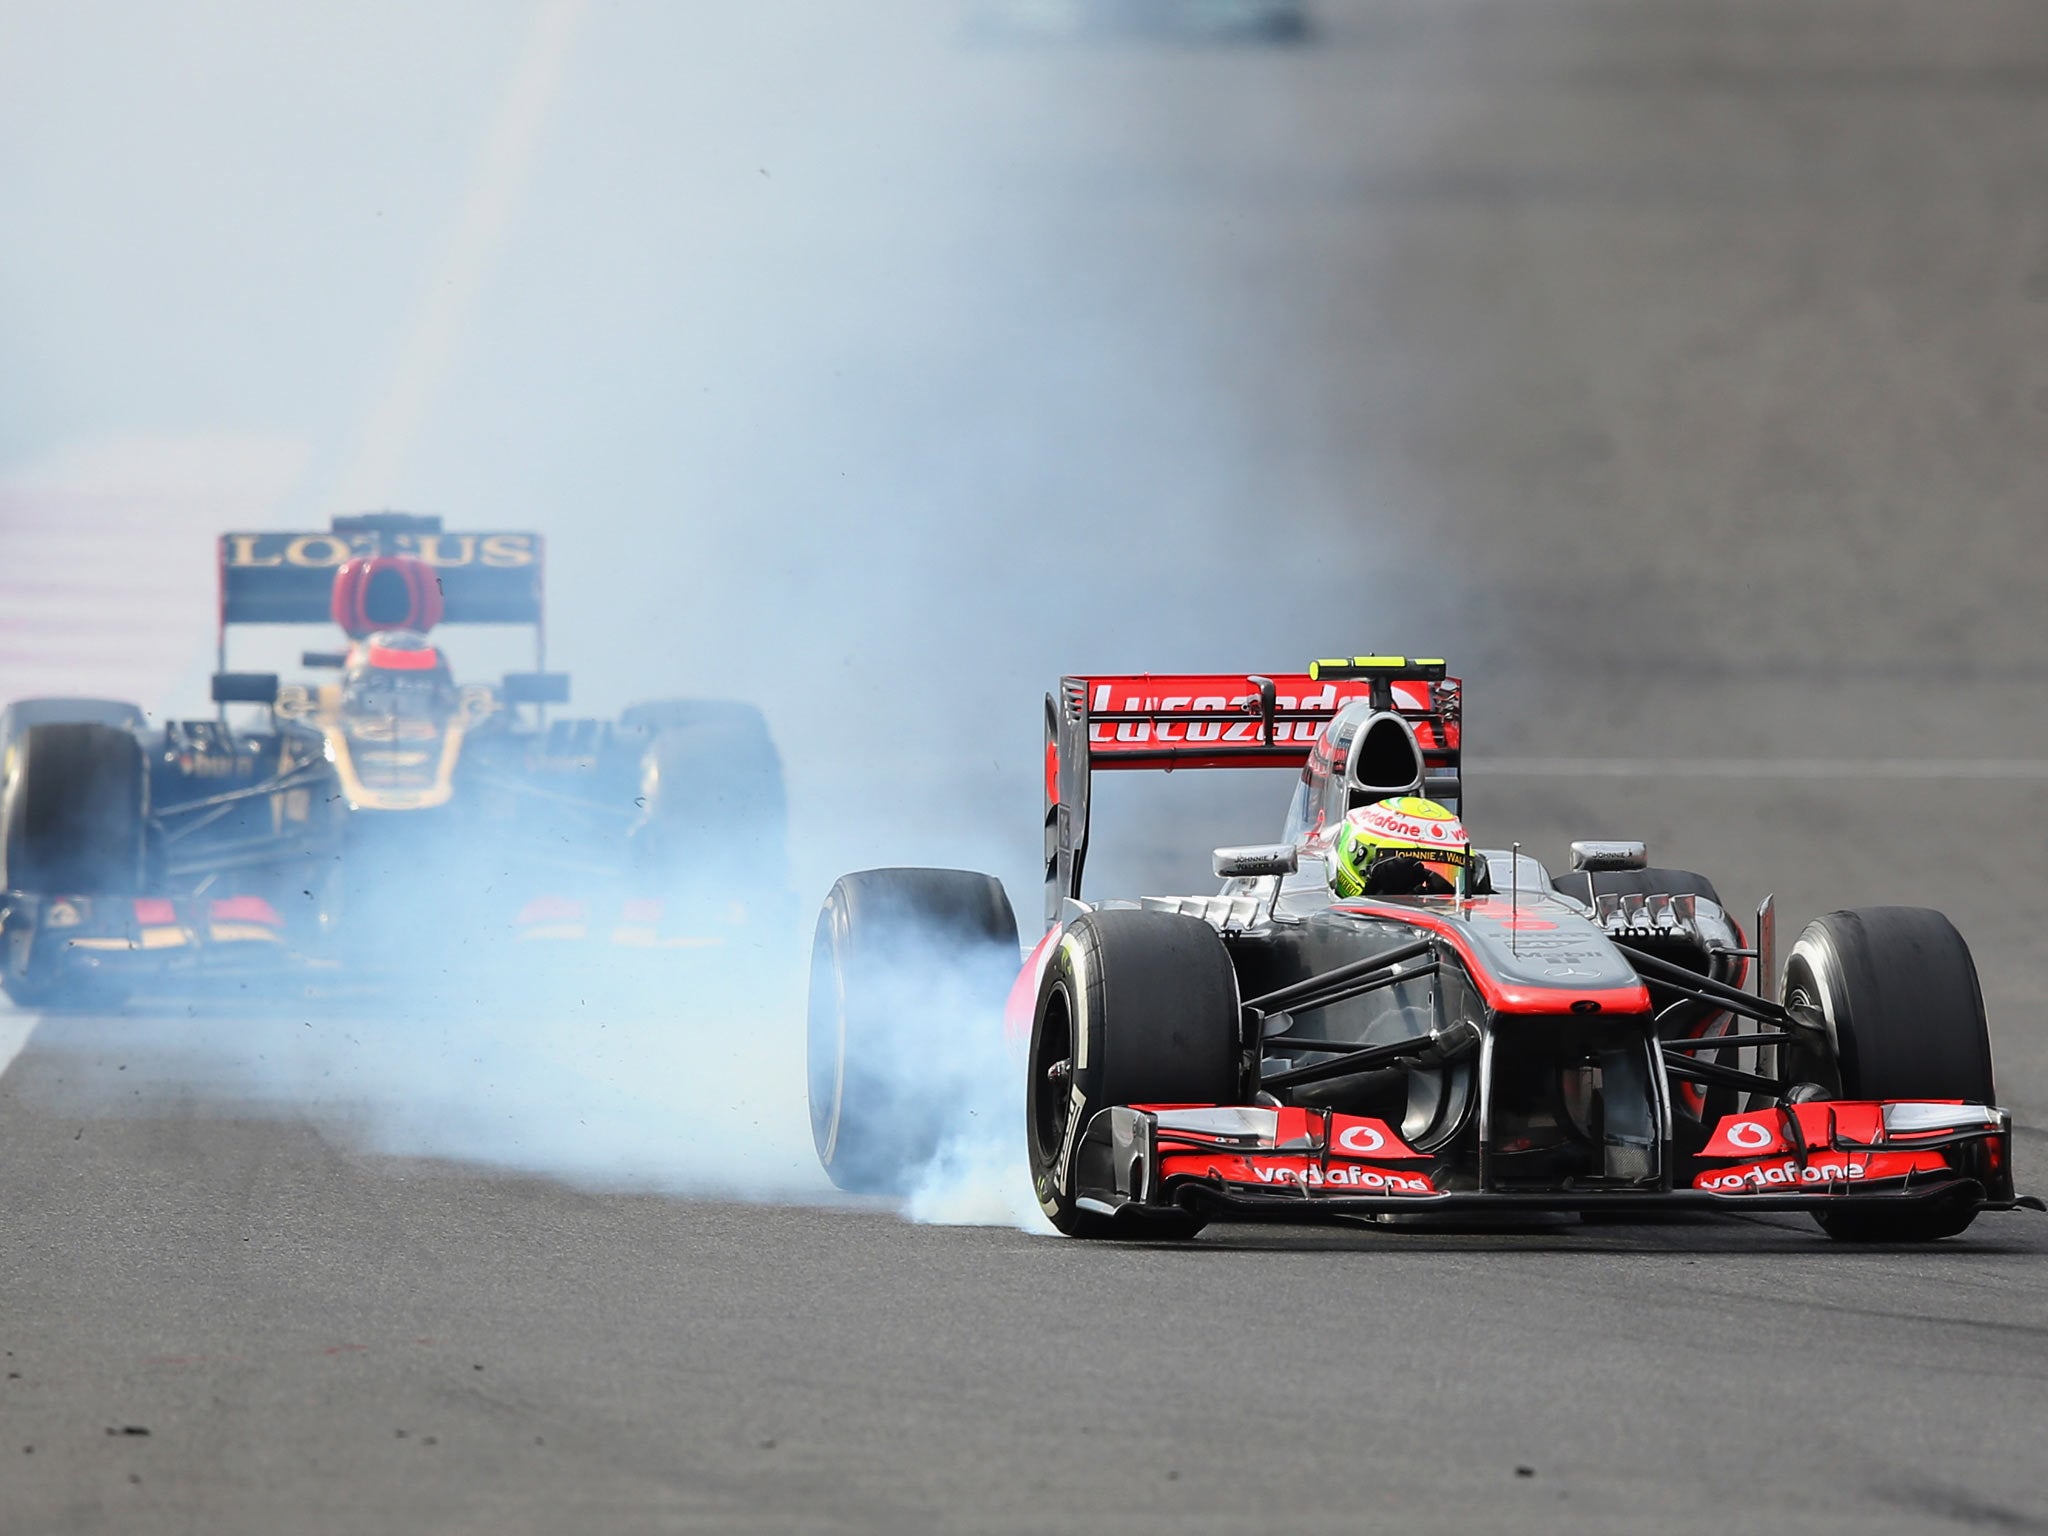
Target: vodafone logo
(1767, 1175)
(1390, 825)
(1313, 1177)
(1385, 821)
(1750, 1135)
(1361, 1139)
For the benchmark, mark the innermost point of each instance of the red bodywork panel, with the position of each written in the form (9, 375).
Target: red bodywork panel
(1817, 1152)
(1821, 1143)
(1817, 1143)
(1211, 720)
(1023, 1001)
(1311, 1150)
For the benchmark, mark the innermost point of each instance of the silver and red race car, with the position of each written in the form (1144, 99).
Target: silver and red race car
(1586, 1042)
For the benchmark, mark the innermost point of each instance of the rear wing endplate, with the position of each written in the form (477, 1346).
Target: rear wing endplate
(1219, 720)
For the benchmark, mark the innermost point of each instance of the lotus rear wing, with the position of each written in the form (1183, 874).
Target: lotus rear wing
(288, 578)
(1220, 720)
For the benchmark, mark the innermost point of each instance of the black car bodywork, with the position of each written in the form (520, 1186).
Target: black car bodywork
(371, 815)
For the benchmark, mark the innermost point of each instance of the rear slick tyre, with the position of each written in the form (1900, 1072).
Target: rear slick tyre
(1135, 1008)
(1899, 994)
(909, 972)
(714, 814)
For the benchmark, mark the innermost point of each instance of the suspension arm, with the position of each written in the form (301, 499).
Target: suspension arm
(1704, 989)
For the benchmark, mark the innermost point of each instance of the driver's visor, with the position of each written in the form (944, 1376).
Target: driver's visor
(1449, 866)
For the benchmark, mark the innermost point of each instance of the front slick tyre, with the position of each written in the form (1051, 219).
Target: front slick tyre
(1898, 991)
(909, 972)
(76, 815)
(1135, 1008)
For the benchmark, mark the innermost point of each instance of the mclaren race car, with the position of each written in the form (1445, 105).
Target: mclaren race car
(383, 811)
(1588, 1041)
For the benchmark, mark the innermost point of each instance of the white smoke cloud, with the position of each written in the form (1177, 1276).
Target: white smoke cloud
(847, 367)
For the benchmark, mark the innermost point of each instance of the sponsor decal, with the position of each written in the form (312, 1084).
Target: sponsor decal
(327, 551)
(1307, 1172)
(1173, 727)
(1750, 1135)
(1398, 819)
(1783, 1175)
(1365, 1137)
(1177, 719)
(1502, 912)
(1762, 1176)
(1345, 1176)
(1821, 1126)
(1362, 1139)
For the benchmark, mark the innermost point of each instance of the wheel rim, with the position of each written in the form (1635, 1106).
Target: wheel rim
(1052, 1067)
(1805, 993)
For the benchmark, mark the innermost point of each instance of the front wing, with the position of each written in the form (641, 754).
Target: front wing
(1291, 1163)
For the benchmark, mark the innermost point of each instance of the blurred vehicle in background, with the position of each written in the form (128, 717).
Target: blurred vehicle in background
(1202, 21)
(390, 816)
(1303, 1043)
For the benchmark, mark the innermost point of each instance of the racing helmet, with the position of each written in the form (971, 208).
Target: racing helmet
(1406, 846)
(397, 673)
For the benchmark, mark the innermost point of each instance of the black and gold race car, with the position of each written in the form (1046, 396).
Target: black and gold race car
(387, 811)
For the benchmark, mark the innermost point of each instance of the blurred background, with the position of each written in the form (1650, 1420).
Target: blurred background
(1680, 372)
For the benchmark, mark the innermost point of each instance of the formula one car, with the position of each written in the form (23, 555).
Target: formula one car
(389, 813)
(1579, 1043)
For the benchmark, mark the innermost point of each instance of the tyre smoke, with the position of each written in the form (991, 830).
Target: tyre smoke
(848, 364)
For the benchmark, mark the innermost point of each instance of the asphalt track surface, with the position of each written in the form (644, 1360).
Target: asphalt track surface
(1705, 346)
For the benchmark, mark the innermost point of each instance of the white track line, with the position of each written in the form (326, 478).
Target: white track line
(2015, 770)
(15, 1028)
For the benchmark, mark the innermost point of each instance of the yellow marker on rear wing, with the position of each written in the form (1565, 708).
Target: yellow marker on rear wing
(1365, 666)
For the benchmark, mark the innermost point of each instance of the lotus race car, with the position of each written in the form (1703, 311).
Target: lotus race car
(1590, 1041)
(391, 812)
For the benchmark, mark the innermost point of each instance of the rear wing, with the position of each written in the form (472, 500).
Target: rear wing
(288, 578)
(1220, 720)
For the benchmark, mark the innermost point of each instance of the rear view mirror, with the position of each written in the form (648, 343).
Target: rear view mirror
(1599, 858)
(335, 659)
(536, 688)
(1252, 862)
(245, 687)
